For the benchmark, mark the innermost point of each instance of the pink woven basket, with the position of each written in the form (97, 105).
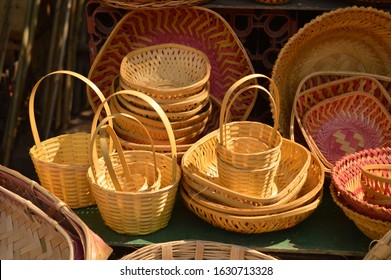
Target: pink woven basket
(346, 177)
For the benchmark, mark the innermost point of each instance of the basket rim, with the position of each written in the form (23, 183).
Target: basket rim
(140, 4)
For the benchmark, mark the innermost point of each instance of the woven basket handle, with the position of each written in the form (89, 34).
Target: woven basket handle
(103, 128)
(161, 114)
(231, 97)
(33, 123)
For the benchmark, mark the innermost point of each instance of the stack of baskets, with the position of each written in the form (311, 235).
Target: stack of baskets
(177, 78)
(296, 188)
(352, 177)
(135, 190)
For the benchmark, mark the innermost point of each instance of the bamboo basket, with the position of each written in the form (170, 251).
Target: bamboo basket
(345, 124)
(166, 71)
(376, 183)
(199, 166)
(346, 177)
(87, 245)
(373, 228)
(196, 250)
(248, 153)
(319, 86)
(30, 234)
(381, 249)
(61, 162)
(355, 39)
(312, 186)
(145, 4)
(196, 27)
(131, 212)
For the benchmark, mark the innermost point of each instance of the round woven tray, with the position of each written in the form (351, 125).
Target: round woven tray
(195, 27)
(356, 39)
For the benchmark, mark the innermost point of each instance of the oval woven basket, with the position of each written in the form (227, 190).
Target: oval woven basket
(28, 233)
(196, 250)
(323, 85)
(166, 71)
(147, 4)
(346, 177)
(61, 162)
(371, 227)
(199, 166)
(196, 27)
(87, 245)
(130, 212)
(356, 39)
(345, 124)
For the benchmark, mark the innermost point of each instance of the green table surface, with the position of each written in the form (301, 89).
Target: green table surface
(326, 232)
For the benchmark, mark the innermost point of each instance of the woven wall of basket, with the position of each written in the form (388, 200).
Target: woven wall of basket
(355, 39)
(87, 245)
(373, 218)
(196, 250)
(61, 162)
(135, 190)
(248, 153)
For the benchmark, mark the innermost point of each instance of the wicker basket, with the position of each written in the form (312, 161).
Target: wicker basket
(371, 227)
(61, 162)
(346, 177)
(381, 250)
(345, 124)
(87, 245)
(196, 250)
(248, 153)
(166, 71)
(196, 27)
(319, 86)
(29, 233)
(376, 183)
(356, 39)
(134, 212)
(199, 166)
(147, 4)
(309, 192)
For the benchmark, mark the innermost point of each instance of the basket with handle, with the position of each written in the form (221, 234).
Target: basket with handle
(248, 153)
(166, 71)
(133, 212)
(376, 183)
(196, 250)
(381, 249)
(61, 162)
(87, 245)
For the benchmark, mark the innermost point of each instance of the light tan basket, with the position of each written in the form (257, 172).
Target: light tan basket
(166, 70)
(61, 162)
(376, 183)
(381, 249)
(87, 244)
(248, 153)
(28, 233)
(196, 250)
(136, 212)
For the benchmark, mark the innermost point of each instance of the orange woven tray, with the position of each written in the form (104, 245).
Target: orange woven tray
(197, 27)
(346, 124)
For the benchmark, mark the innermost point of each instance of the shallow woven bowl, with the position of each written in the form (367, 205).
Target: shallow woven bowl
(373, 228)
(346, 177)
(196, 250)
(345, 124)
(356, 39)
(199, 165)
